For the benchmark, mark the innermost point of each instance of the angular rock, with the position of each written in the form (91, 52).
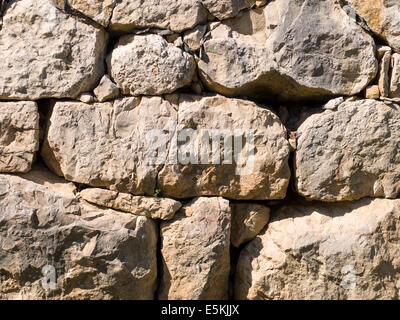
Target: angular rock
(19, 135)
(195, 251)
(104, 144)
(46, 53)
(372, 92)
(97, 10)
(106, 90)
(248, 219)
(86, 97)
(176, 15)
(383, 82)
(278, 53)
(149, 65)
(382, 17)
(349, 153)
(395, 77)
(151, 207)
(193, 38)
(95, 253)
(259, 170)
(320, 251)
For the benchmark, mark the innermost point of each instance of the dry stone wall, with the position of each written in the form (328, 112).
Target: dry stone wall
(200, 149)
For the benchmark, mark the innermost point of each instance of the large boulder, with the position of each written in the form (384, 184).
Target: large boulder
(289, 50)
(259, 170)
(19, 135)
(55, 247)
(321, 251)
(195, 251)
(149, 65)
(104, 144)
(349, 153)
(45, 52)
(116, 150)
(383, 17)
(175, 15)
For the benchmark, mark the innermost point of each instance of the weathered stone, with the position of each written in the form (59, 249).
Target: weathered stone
(19, 135)
(96, 253)
(104, 144)
(248, 219)
(45, 52)
(98, 10)
(193, 38)
(381, 50)
(176, 15)
(350, 153)
(262, 175)
(384, 74)
(151, 207)
(320, 251)
(372, 92)
(106, 90)
(195, 251)
(86, 97)
(149, 65)
(382, 17)
(395, 79)
(277, 52)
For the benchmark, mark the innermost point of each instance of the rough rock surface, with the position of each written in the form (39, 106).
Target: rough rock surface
(289, 50)
(112, 151)
(321, 251)
(176, 15)
(19, 135)
(96, 253)
(263, 175)
(349, 153)
(195, 251)
(382, 17)
(46, 53)
(395, 77)
(106, 90)
(151, 207)
(149, 65)
(248, 219)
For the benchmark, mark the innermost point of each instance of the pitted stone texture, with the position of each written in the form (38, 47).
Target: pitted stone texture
(46, 53)
(350, 153)
(96, 253)
(278, 52)
(151, 207)
(106, 90)
(264, 175)
(395, 77)
(383, 17)
(105, 145)
(19, 135)
(195, 251)
(176, 15)
(321, 251)
(248, 219)
(149, 65)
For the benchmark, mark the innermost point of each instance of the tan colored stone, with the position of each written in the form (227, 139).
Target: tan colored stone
(264, 175)
(395, 77)
(384, 74)
(96, 253)
(98, 10)
(149, 65)
(106, 90)
(193, 38)
(349, 153)
(320, 251)
(248, 219)
(382, 17)
(104, 144)
(46, 53)
(151, 207)
(19, 135)
(195, 251)
(372, 92)
(276, 52)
